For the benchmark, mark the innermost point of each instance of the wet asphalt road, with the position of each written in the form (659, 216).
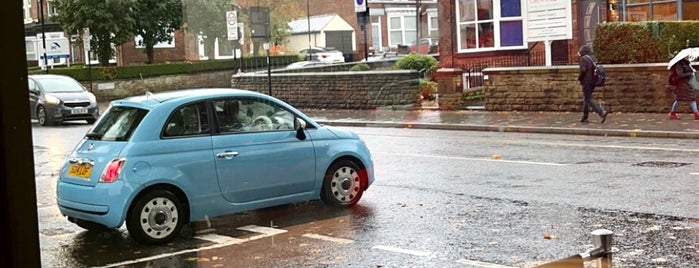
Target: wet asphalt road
(441, 199)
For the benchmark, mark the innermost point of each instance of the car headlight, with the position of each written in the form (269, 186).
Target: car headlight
(92, 98)
(50, 99)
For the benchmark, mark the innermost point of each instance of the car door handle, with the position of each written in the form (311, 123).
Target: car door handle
(227, 155)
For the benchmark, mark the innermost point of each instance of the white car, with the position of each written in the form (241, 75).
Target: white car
(324, 54)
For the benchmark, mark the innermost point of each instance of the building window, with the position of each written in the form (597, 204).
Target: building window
(51, 9)
(31, 49)
(27, 11)
(401, 27)
(646, 10)
(432, 24)
(486, 25)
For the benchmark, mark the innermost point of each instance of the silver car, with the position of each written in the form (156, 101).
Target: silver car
(57, 98)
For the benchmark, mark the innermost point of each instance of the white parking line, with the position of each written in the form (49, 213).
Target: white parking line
(260, 229)
(329, 238)
(482, 264)
(402, 251)
(219, 240)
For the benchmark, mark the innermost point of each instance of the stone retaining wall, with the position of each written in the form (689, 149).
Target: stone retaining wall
(326, 90)
(629, 88)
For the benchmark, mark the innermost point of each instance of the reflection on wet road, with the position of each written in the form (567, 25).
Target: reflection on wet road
(441, 199)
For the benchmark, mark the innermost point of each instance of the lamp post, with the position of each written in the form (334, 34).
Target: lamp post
(308, 18)
(43, 35)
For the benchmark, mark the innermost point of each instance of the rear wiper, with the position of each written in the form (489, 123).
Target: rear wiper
(93, 136)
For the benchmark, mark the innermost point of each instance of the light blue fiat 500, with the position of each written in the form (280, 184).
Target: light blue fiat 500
(159, 161)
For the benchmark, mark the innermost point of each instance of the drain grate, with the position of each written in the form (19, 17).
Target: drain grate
(661, 164)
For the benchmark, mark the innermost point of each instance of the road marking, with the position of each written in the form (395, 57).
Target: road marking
(403, 251)
(220, 239)
(482, 264)
(485, 159)
(328, 238)
(266, 232)
(693, 173)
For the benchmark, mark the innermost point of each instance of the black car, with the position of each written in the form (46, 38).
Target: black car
(57, 98)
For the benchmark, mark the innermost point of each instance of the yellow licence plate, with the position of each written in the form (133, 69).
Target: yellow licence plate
(82, 171)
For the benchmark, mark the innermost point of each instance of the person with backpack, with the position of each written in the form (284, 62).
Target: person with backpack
(680, 73)
(588, 80)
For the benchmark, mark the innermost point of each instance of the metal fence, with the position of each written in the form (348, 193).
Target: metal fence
(472, 71)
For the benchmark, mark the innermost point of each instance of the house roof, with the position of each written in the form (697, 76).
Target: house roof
(317, 23)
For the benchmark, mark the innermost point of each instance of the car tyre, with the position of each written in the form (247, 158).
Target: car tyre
(42, 117)
(343, 184)
(91, 121)
(155, 218)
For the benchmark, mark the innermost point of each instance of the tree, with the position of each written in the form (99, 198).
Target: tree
(110, 22)
(156, 21)
(206, 18)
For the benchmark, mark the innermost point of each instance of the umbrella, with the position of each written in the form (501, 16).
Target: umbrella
(692, 52)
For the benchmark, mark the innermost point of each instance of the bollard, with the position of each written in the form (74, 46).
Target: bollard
(602, 239)
(602, 253)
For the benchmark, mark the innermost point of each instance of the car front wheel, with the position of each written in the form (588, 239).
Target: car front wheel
(342, 185)
(42, 117)
(155, 218)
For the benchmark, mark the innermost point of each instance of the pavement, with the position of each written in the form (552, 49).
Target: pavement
(652, 125)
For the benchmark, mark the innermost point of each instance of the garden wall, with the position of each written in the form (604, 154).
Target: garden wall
(638, 88)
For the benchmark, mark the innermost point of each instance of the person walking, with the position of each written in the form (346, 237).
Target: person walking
(588, 80)
(683, 92)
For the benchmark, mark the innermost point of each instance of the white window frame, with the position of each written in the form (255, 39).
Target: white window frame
(432, 27)
(496, 20)
(50, 10)
(27, 8)
(401, 14)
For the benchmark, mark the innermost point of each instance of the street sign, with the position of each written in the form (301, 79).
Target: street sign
(232, 25)
(359, 5)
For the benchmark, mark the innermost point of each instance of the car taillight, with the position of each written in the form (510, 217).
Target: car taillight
(324, 56)
(112, 170)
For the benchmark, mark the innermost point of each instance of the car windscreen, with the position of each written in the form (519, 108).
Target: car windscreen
(117, 124)
(60, 84)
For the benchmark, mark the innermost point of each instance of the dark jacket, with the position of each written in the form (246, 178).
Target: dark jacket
(684, 71)
(587, 66)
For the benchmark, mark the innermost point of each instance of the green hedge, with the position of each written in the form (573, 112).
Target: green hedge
(81, 73)
(643, 42)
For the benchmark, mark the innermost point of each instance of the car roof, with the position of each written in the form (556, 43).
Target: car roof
(46, 76)
(151, 100)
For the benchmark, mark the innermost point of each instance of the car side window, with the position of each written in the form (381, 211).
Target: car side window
(252, 115)
(187, 121)
(32, 86)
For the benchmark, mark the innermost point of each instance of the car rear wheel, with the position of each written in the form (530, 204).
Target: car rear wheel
(155, 218)
(42, 117)
(342, 185)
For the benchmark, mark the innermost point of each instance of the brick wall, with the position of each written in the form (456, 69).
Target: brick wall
(629, 88)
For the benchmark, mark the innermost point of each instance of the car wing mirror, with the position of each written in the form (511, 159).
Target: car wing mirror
(300, 126)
